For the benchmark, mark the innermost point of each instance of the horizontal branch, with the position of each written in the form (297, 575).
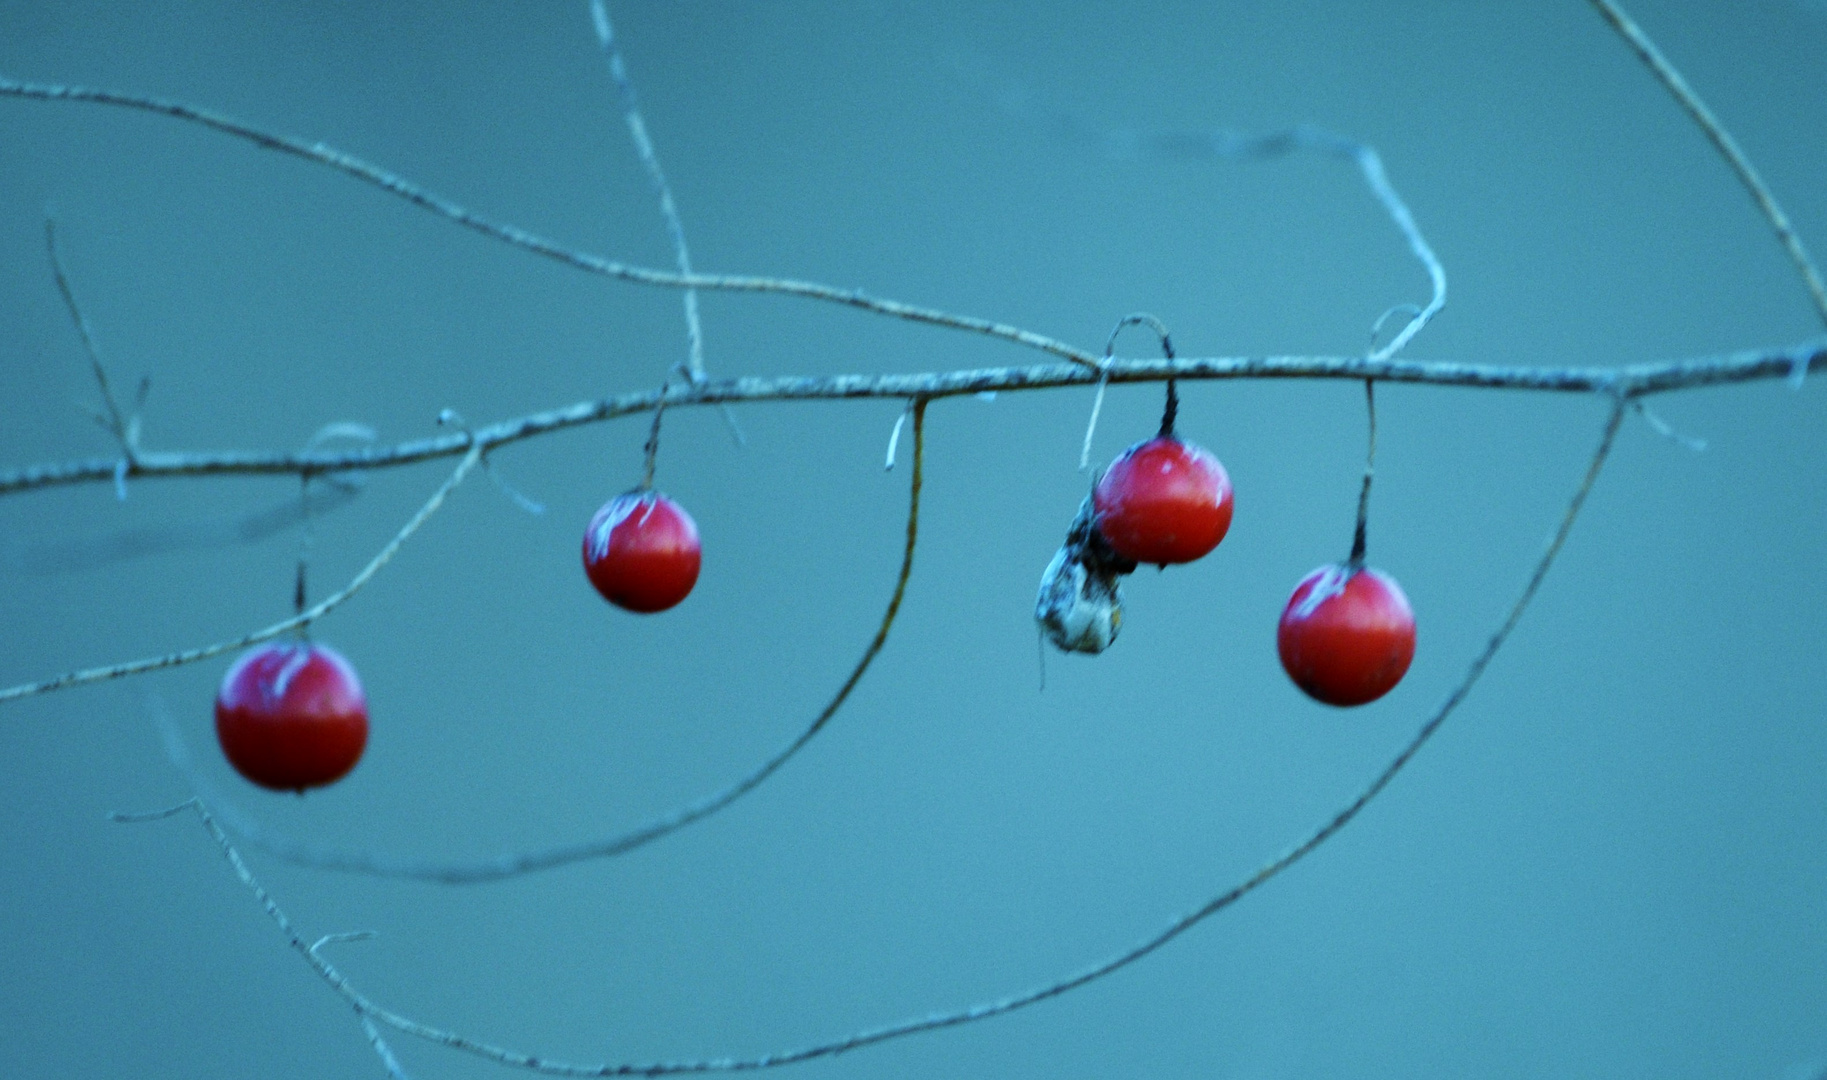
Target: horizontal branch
(1632, 381)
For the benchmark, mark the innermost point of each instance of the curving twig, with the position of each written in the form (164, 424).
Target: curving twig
(1228, 144)
(1723, 142)
(302, 619)
(425, 199)
(468, 872)
(985, 1010)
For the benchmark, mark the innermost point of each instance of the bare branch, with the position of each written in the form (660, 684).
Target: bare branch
(643, 148)
(125, 431)
(303, 618)
(425, 199)
(1631, 381)
(1722, 141)
(675, 228)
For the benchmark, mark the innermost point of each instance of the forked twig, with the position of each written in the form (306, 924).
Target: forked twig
(983, 1011)
(459, 872)
(303, 618)
(1723, 142)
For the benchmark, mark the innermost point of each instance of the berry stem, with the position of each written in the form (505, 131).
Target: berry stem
(652, 448)
(299, 592)
(1358, 540)
(1143, 318)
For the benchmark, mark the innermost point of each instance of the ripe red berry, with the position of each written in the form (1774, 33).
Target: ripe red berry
(1347, 635)
(1164, 501)
(292, 716)
(641, 551)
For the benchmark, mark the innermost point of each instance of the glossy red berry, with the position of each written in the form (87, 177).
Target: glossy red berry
(292, 716)
(1164, 501)
(641, 551)
(1347, 636)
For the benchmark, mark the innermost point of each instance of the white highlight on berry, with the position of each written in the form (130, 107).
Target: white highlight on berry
(1331, 583)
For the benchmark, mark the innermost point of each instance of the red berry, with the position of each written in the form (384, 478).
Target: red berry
(1164, 501)
(292, 716)
(641, 551)
(1347, 635)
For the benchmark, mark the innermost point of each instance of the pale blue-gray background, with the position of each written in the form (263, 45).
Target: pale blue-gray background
(1612, 862)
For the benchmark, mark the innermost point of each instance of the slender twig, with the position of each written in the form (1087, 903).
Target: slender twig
(1631, 381)
(1370, 165)
(894, 437)
(1097, 409)
(395, 1071)
(1662, 428)
(669, 209)
(643, 148)
(350, 165)
(1226, 144)
(1722, 141)
(126, 431)
(535, 1063)
(460, 872)
(302, 619)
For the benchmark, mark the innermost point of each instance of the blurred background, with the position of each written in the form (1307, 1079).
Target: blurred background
(1611, 862)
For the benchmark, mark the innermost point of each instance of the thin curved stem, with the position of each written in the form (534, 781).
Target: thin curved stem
(1170, 410)
(1631, 381)
(302, 619)
(460, 872)
(393, 184)
(1226, 144)
(1722, 140)
(985, 1010)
